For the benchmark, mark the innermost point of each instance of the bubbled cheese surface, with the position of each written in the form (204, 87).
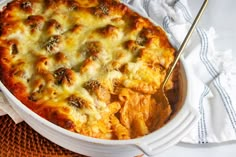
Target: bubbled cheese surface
(54, 48)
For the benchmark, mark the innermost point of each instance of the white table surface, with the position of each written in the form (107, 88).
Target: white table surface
(221, 14)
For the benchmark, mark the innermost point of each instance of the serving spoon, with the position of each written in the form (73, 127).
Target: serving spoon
(160, 93)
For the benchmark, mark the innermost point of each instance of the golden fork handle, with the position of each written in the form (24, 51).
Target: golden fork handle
(184, 43)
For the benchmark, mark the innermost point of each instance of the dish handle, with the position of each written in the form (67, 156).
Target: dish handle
(172, 134)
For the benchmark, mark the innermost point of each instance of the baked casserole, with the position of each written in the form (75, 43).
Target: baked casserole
(89, 66)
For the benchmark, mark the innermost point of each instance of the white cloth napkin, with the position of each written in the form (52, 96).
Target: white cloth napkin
(213, 72)
(5, 108)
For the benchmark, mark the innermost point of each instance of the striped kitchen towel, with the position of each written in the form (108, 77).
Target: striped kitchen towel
(214, 72)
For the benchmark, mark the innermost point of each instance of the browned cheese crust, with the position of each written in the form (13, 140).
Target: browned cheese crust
(89, 66)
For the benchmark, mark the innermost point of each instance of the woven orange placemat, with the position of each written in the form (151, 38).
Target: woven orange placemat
(17, 140)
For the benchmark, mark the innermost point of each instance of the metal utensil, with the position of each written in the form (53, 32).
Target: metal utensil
(160, 94)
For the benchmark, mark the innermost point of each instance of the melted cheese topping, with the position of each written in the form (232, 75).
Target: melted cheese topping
(67, 60)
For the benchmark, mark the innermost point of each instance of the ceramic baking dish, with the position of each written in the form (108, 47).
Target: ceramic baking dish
(170, 134)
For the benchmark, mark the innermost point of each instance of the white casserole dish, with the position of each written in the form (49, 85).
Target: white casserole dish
(150, 145)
